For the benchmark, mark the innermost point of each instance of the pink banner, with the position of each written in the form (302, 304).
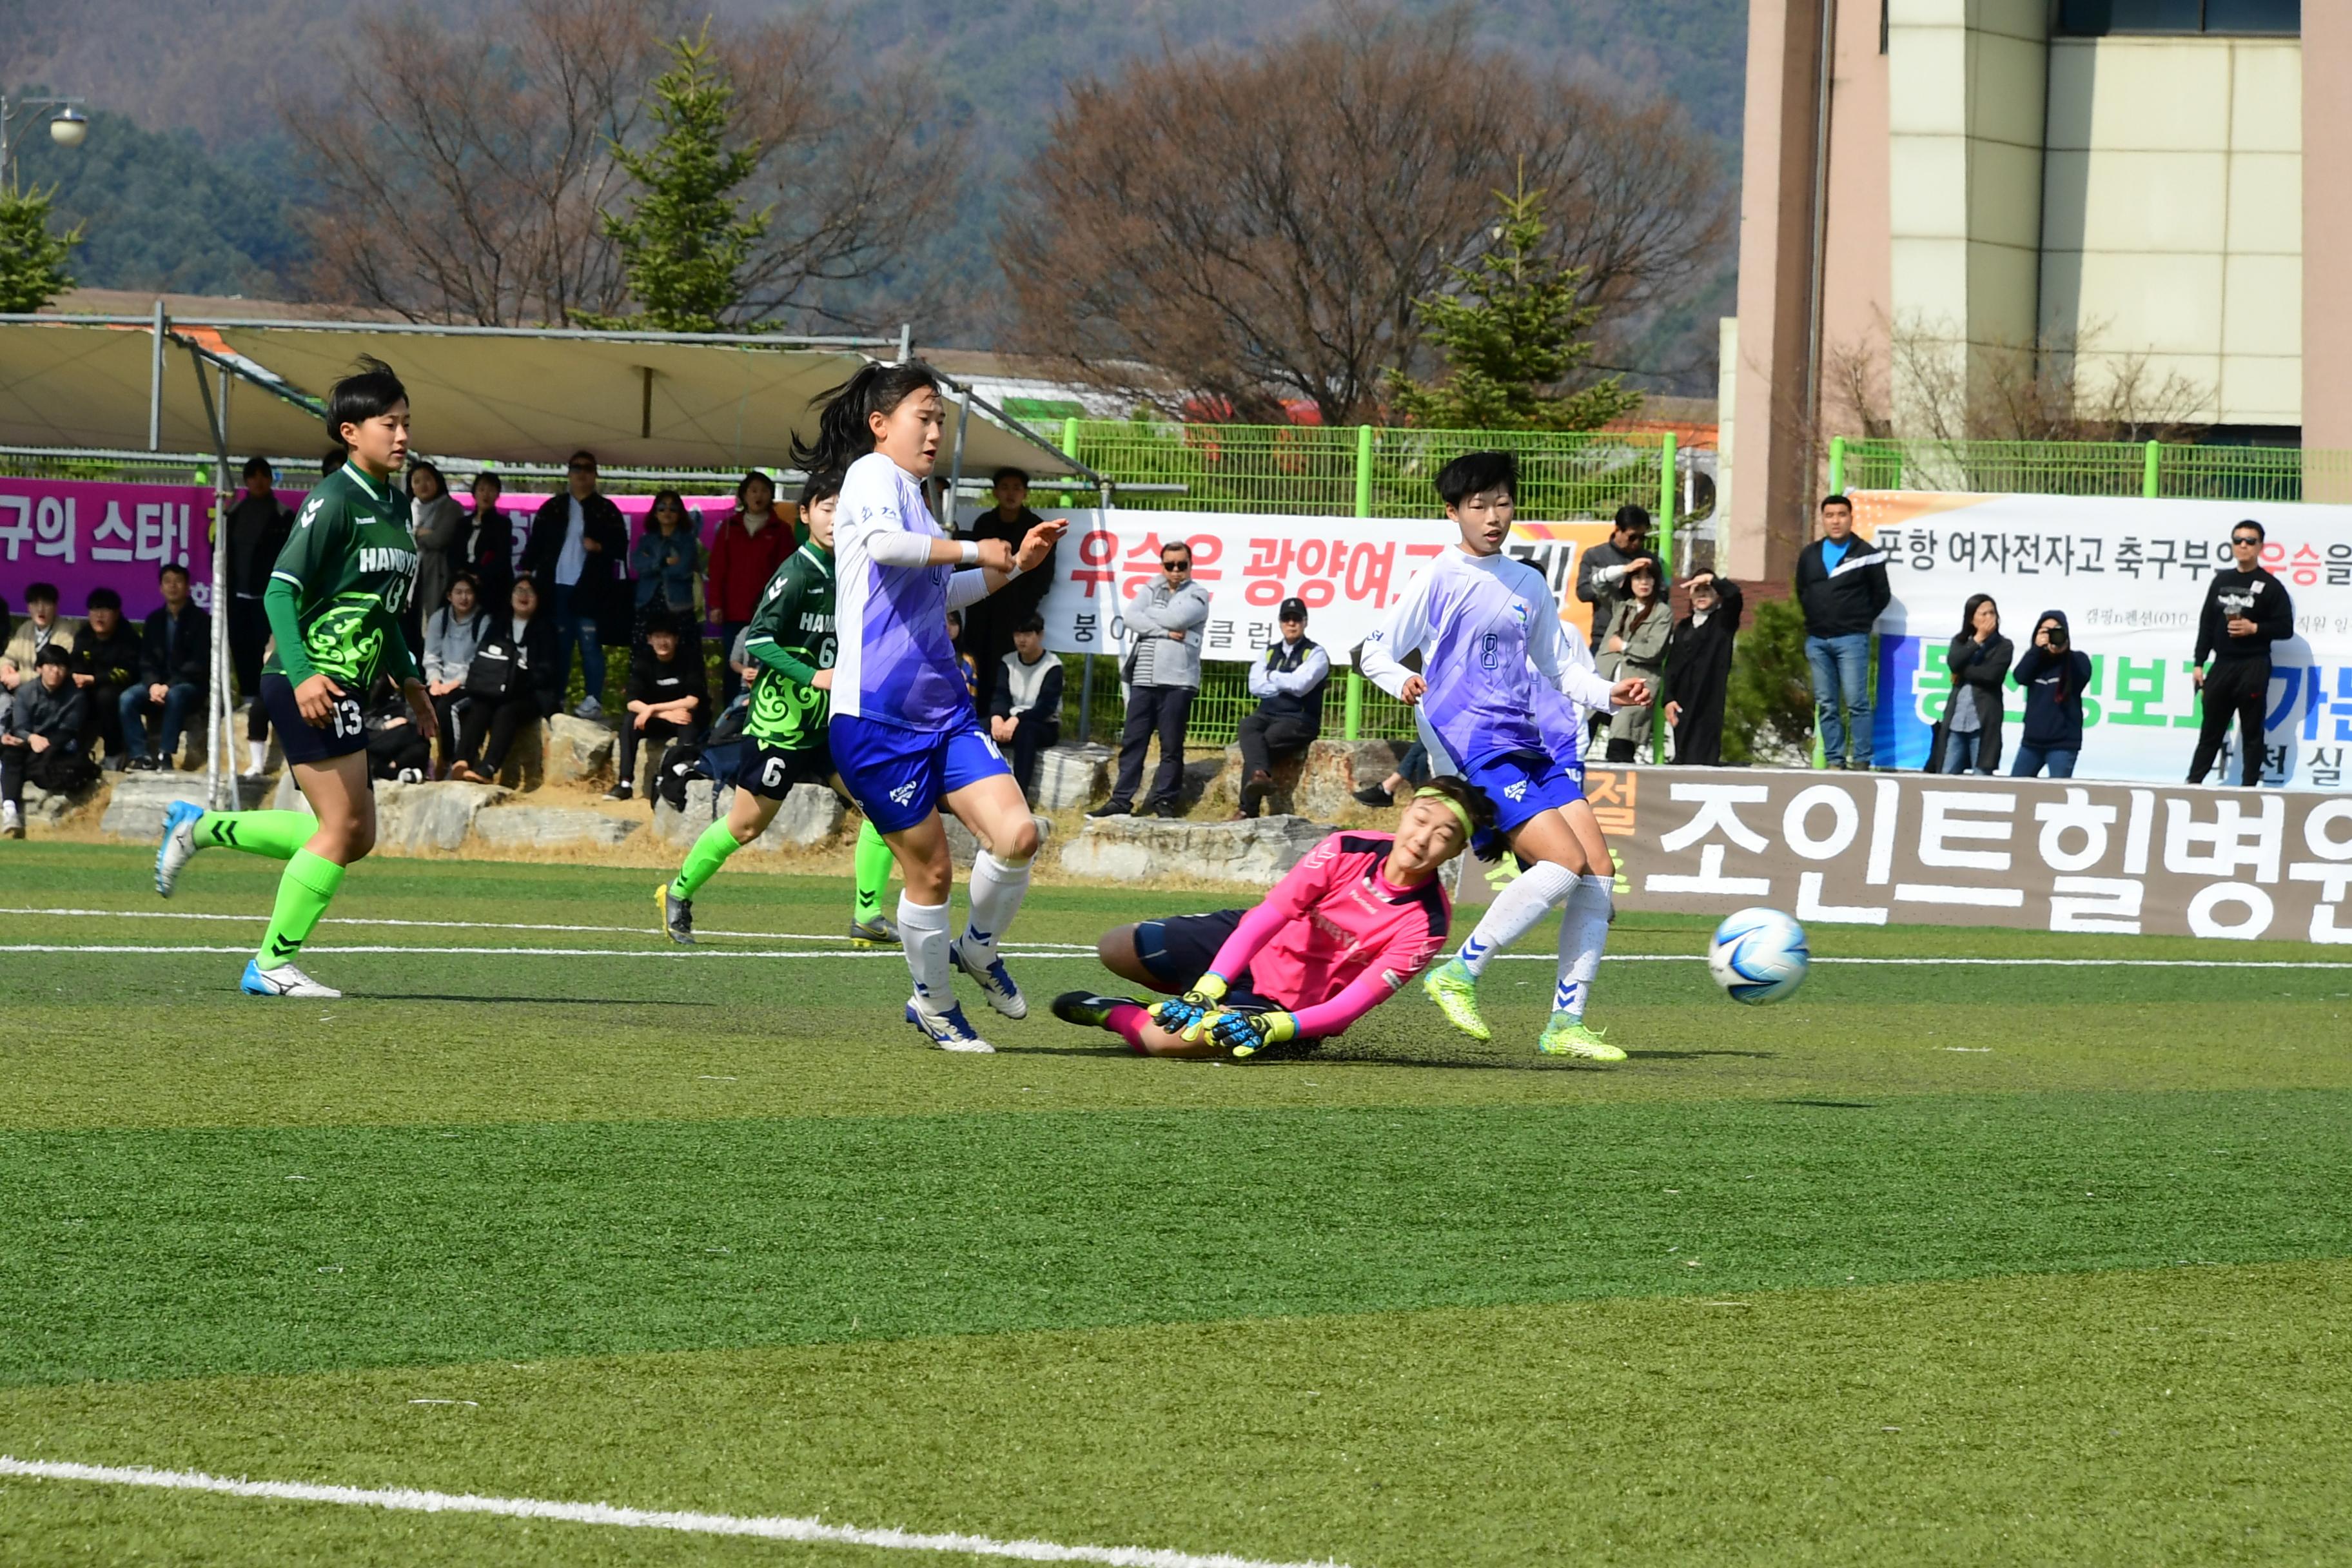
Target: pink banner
(80, 534)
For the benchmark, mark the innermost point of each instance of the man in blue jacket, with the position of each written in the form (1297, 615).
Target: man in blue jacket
(1842, 587)
(2054, 676)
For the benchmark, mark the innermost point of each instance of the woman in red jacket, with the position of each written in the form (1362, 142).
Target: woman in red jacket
(752, 543)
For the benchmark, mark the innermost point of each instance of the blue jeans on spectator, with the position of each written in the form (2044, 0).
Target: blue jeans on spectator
(2031, 760)
(177, 700)
(572, 630)
(1960, 752)
(1841, 667)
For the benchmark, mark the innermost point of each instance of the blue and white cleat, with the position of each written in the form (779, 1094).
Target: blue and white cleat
(947, 1030)
(995, 981)
(283, 980)
(179, 844)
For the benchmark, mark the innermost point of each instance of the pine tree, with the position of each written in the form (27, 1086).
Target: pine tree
(32, 259)
(1513, 336)
(684, 243)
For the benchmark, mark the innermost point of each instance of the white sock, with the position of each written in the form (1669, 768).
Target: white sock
(923, 933)
(1583, 933)
(256, 755)
(994, 898)
(1515, 911)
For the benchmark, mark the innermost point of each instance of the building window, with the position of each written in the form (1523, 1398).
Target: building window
(2098, 18)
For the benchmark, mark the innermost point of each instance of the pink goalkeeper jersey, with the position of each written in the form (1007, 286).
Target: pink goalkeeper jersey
(1334, 939)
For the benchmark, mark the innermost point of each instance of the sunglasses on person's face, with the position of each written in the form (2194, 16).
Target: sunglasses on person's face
(2246, 542)
(1176, 565)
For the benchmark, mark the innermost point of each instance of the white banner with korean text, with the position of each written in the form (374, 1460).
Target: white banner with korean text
(2131, 577)
(2030, 854)
(1347, 570)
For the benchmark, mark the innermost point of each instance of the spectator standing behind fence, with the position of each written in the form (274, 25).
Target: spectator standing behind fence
(439, 524)
(992, 622)
(516, 678)
(1635, 645)
(2246, 610)
(670, 698)
(1162, 671)
(257, 528)
(105, 665)
(41, 627)
(1287, 681)
(41, 737)
(578, 544)
(2054, 676)
(175, 649)
(452, 633)
(1967, 737)
(752, 541)
(667, 561)
(1697, 678)
(492, 549)
(1843, 589)
(1024, 715)
(1601, 575)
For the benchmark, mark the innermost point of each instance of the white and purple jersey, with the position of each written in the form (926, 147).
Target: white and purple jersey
(1502, 674)
(895, 665)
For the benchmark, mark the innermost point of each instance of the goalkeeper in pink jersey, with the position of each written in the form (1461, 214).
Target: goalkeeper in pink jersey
(1344, 931)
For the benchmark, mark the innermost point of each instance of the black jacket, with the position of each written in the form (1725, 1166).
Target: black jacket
(181, 659)
(58, 715)
(1847, 601)
(1977, 669)
(542, 673)
(114, 660)
(2256, 595)
(603, 590)
(257, 531)
(1698, 676)
(2054, 686)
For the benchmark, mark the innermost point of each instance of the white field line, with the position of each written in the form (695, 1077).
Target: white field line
(410, 1500)
(1019, 951)
(465, 925)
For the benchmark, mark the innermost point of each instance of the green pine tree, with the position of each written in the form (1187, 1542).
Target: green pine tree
(1514, 339)
(32, 259)
(684, 243)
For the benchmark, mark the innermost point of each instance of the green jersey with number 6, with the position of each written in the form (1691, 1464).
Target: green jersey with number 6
(341, 584)
(791, 638)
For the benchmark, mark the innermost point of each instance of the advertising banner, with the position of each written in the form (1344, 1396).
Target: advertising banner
(82, 534)
(2131, 577)
(2029, 854)
(1348, 571)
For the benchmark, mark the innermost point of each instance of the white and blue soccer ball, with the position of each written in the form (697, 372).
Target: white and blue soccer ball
(1758, 955)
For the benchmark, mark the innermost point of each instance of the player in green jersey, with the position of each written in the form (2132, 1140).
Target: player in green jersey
(791, 641)
(334, 602)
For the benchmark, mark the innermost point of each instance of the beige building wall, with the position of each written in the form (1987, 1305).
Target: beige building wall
(1965, 128)
(2172, 218)
(2326, 79)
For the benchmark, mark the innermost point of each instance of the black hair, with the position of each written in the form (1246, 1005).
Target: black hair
(661, 621)
(2260, 531)
(423, 467)
(490, 477)
(1010, 472)
(580, 457)
(368, 393)
(820, 487)
(1631, 516)
(685, 518)
(1838, 498)
(335, 459)
(1474, 473)
(1469, 798)
(1183, 544)
(40, 591)
(1032, 622)
(102, 599)
(468, 579)
(842, 436)
(170, 566)
(526, 581)
(1969, 614)
(743, 486)
(258, 466)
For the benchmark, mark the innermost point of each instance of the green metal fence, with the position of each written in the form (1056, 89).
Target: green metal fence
(2153, 469)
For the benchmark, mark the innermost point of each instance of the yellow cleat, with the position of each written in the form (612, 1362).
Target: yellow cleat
(1567, 1036)
(1455, 991)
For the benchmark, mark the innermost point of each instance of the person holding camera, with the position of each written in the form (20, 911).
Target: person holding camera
(2054, 676)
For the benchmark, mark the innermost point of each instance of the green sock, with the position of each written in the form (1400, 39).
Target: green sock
(874, 863)
(702, 861)
(303, 894)
(276, 834)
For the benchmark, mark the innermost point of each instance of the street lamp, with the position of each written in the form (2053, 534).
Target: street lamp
(68, 128)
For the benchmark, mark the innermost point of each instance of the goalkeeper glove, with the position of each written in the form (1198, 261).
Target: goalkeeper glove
(1185, 1016)
(1248, 1034)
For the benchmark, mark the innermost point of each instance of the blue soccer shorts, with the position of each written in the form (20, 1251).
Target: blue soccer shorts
(899, 776)
(1523, 785)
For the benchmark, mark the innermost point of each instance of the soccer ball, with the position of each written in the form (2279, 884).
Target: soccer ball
(1758, 955)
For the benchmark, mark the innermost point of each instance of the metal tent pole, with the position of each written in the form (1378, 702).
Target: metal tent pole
(221, 745)
(155, 385)
(955, 465)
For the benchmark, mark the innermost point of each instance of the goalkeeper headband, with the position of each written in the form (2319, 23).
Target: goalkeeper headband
(1453, 804)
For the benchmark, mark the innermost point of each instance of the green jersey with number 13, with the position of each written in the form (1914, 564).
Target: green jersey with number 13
(341, 584)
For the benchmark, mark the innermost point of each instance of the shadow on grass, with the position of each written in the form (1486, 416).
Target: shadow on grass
(1833, 1104)
(522, 1001)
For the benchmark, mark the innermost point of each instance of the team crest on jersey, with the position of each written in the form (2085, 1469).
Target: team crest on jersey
(1515, 792)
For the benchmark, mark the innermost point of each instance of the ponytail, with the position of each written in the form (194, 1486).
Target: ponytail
(842, 434)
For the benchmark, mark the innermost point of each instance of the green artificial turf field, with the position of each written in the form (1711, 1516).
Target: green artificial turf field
(1959, 1255)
